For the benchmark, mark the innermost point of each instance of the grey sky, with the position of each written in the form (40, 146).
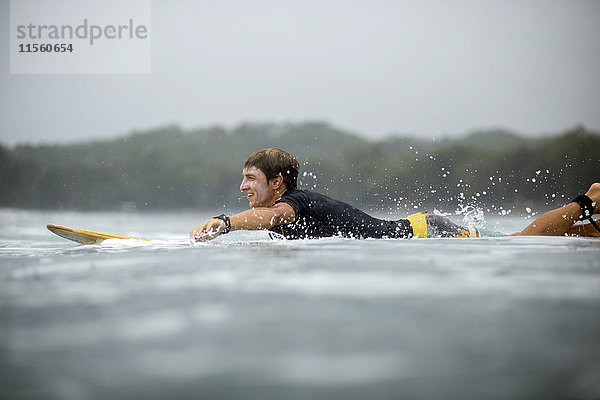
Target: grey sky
(428, 68)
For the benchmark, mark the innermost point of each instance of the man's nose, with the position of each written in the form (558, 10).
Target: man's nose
(244, 185)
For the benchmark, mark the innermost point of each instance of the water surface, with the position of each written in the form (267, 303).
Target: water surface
(248, 317)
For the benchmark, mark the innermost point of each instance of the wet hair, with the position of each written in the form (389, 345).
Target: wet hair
(273, 162)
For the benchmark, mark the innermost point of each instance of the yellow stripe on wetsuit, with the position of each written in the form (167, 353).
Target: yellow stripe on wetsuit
(419, 224)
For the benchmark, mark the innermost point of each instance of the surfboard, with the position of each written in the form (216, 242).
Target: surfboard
(84, 237)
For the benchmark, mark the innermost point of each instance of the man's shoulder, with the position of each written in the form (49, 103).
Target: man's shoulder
(295, 195)
(303, 194)
(309, 199)
(303, 200)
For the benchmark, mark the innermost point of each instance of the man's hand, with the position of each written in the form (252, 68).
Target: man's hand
(208, 230)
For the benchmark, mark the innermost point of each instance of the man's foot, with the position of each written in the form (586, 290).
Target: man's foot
(594, 194)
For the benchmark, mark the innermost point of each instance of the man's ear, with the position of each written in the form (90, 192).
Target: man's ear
(276, 182)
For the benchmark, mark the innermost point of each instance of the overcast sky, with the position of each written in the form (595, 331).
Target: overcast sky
(427, 68)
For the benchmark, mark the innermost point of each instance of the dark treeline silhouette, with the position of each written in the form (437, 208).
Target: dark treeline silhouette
(169, 168)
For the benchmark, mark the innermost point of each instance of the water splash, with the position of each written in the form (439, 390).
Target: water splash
(307, 177)
(472, 216)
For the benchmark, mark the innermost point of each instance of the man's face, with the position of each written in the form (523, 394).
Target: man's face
(258, 190)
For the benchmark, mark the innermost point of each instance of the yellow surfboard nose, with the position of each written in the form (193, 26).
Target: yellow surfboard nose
(82, 236)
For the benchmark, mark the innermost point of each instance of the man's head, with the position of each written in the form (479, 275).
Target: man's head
(267, 174)
(273, 162)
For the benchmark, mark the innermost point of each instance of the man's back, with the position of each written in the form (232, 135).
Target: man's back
(319, 216)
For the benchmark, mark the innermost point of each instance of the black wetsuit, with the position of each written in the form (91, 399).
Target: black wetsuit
(320, 216)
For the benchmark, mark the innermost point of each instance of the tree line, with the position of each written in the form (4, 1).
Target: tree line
(169, 168)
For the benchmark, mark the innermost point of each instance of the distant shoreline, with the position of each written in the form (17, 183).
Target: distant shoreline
(169, 168)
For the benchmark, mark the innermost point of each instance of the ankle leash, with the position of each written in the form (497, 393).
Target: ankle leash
(587, 209)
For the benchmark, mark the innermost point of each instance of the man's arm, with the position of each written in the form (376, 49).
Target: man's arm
(254, 219)
(560, 221)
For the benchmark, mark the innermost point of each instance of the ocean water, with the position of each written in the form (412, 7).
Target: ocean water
(247, 317)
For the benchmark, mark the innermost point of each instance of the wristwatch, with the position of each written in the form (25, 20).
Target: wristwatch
(225, 219)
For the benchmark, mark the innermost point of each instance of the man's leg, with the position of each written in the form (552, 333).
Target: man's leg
(560, 221)
(583, 230)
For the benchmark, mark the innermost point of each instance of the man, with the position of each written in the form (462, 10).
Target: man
(270, 179)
